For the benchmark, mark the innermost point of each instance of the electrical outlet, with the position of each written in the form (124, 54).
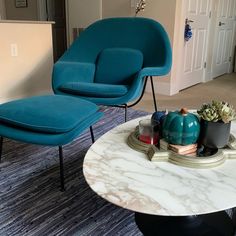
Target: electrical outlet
(14, 50)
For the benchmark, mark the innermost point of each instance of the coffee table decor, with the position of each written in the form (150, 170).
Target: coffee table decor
(181, 127)
(155, 154)
(206, 158)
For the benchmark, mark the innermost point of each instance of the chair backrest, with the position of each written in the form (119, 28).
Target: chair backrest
(145, 35)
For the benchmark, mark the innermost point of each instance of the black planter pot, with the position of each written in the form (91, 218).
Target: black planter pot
(214, 134)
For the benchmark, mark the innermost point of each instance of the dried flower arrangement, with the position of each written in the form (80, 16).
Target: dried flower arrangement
(140, 6)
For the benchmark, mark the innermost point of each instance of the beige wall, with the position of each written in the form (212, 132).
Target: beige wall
(28, 13)
(114, 8)
(29, 73)
(2, 10)
(162, 11)
(82, 13)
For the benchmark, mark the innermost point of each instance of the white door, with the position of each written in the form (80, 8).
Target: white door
(194, 50)
(223, 50)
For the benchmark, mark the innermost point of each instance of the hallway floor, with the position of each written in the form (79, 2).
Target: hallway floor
(222, 88)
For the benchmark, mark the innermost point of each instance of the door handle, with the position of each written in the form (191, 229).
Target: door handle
(187, 21)
(221, 23)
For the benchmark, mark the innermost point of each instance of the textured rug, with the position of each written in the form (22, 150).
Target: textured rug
(31, 202)
(30, 199)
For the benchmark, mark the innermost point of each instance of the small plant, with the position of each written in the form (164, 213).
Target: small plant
(217, 111)
(140, 6)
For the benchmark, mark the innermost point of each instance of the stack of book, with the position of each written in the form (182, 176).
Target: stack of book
(187, 150)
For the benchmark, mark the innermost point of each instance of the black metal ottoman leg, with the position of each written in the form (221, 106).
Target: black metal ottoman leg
(92, 135)
(61, 169)
(1, 144)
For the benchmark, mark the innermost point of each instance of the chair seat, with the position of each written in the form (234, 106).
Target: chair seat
(94, 89)
(52, 114)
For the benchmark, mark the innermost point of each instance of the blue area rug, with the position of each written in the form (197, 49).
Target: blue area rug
(30, 196)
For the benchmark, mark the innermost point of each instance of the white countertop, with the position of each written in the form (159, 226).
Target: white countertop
(128, 179)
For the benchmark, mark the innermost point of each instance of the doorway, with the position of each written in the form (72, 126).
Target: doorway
(209, 53)
(55, 10)
(223, 45)
(193, 53)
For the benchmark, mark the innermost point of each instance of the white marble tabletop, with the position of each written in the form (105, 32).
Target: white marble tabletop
(128, 179)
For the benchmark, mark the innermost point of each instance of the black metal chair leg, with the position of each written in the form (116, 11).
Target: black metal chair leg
(61, 168)
(153, 94)
(126, 110)
(92, 135)
(1, 144)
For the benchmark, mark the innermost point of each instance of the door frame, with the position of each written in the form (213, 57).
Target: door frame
(3, 12)
(69, 23)
(41, 10)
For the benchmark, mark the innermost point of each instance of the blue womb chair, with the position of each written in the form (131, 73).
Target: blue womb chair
(110, 62)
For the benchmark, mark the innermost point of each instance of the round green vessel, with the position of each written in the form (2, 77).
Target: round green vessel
(181, 128)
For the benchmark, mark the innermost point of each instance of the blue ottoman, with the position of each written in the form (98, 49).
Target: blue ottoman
(52, 120)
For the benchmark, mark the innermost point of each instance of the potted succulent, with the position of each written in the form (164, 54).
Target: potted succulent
(216, 120)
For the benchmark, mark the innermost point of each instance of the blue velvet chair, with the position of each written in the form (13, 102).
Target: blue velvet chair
(110, 62)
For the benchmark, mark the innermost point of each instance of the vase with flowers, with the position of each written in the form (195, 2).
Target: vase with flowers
(216, 120)
(140, 6)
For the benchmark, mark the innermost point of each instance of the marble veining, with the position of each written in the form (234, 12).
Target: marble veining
(128, 179)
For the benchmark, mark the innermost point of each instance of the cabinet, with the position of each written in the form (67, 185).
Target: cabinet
(26, 59)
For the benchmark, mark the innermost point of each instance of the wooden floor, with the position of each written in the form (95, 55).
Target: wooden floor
(221, 88)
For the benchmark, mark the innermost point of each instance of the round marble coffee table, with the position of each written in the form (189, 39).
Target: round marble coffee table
(168, 199)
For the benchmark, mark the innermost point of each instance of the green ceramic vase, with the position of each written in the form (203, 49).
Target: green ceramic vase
(181, 128)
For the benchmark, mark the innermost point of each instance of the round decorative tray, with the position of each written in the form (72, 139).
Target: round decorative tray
(158, 155)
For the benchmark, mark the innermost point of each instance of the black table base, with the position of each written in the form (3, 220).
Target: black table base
(215, 224)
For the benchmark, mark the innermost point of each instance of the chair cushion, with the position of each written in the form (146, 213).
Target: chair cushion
(94, 89)
(118, 65)
(74, 71)
(47, 114)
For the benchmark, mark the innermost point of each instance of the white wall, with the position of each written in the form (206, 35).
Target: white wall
(81, 13)
(28, 73)
(2, 10)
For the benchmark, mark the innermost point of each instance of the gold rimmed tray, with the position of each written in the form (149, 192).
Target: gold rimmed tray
(159, 155)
